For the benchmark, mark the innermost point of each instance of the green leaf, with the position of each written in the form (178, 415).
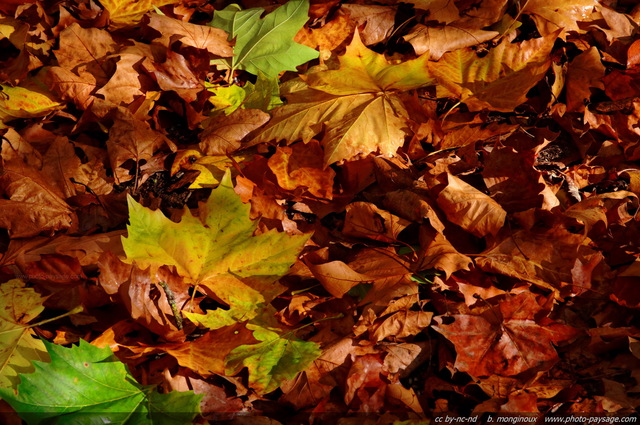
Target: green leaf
(245, 303)
(273, 360)
(218, 249)
(226, 99)
(264, 95)
(19, 346)
(266, 44)
(86, 384)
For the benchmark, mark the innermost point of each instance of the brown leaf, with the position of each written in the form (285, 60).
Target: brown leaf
(401, 325)
(34, 206)
(544, 257)
(375, 22)
(206, 355)
(319, 379)
(127, 83)
(471, 209)
(86, 50)
(203, 37)
(511, 179)
(437, 253)
(223, 134)
(506, 339)
(584, 74)
(71, 87)
(130, 139)
(507, 73)
(413, 207)
(329, 36)
(301, 166)
(365, 220)
(175, 74)
(437, 41)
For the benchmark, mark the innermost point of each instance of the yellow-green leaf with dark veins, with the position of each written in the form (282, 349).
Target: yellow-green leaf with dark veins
(356, 104)
(273, 360)
(216, 249)
(19, 346)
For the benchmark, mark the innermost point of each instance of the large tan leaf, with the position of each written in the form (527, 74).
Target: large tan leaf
(356, 104)
(498, 81)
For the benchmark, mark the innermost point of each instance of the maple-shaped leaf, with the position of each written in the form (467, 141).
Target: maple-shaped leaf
(217, 249)
(265, 45)
(84, 383)
(273, 360)
(19, 346)
(498, 81)
(357, 104)
(505, 339)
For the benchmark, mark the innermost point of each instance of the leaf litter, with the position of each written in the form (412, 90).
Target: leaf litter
(314, 210)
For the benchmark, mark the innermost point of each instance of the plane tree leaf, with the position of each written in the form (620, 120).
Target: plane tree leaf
(265, 44)
(102, 388)
(505, 339)
(498, 81)
(215, 249)
(357, 104)
(19, 346)
(274, 359)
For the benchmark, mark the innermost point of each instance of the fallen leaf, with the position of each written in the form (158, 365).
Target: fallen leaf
(219, 246)
(437, 41)
(129, 12)
(355, 103)
(553, 15)
(543, 257)
(471, 209)
(506, 339)
(265, 44)
(103, 385)
(201, 37)
(498, 81)
(273, 360)
(224, 134)
(301, 167)
(19, 346)
(365, 220)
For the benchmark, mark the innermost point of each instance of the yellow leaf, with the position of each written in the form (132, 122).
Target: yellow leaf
(364, 71)
(28, 100)
(128, 12)
(356, 104)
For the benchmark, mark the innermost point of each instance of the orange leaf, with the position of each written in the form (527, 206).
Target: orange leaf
(301, 167)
